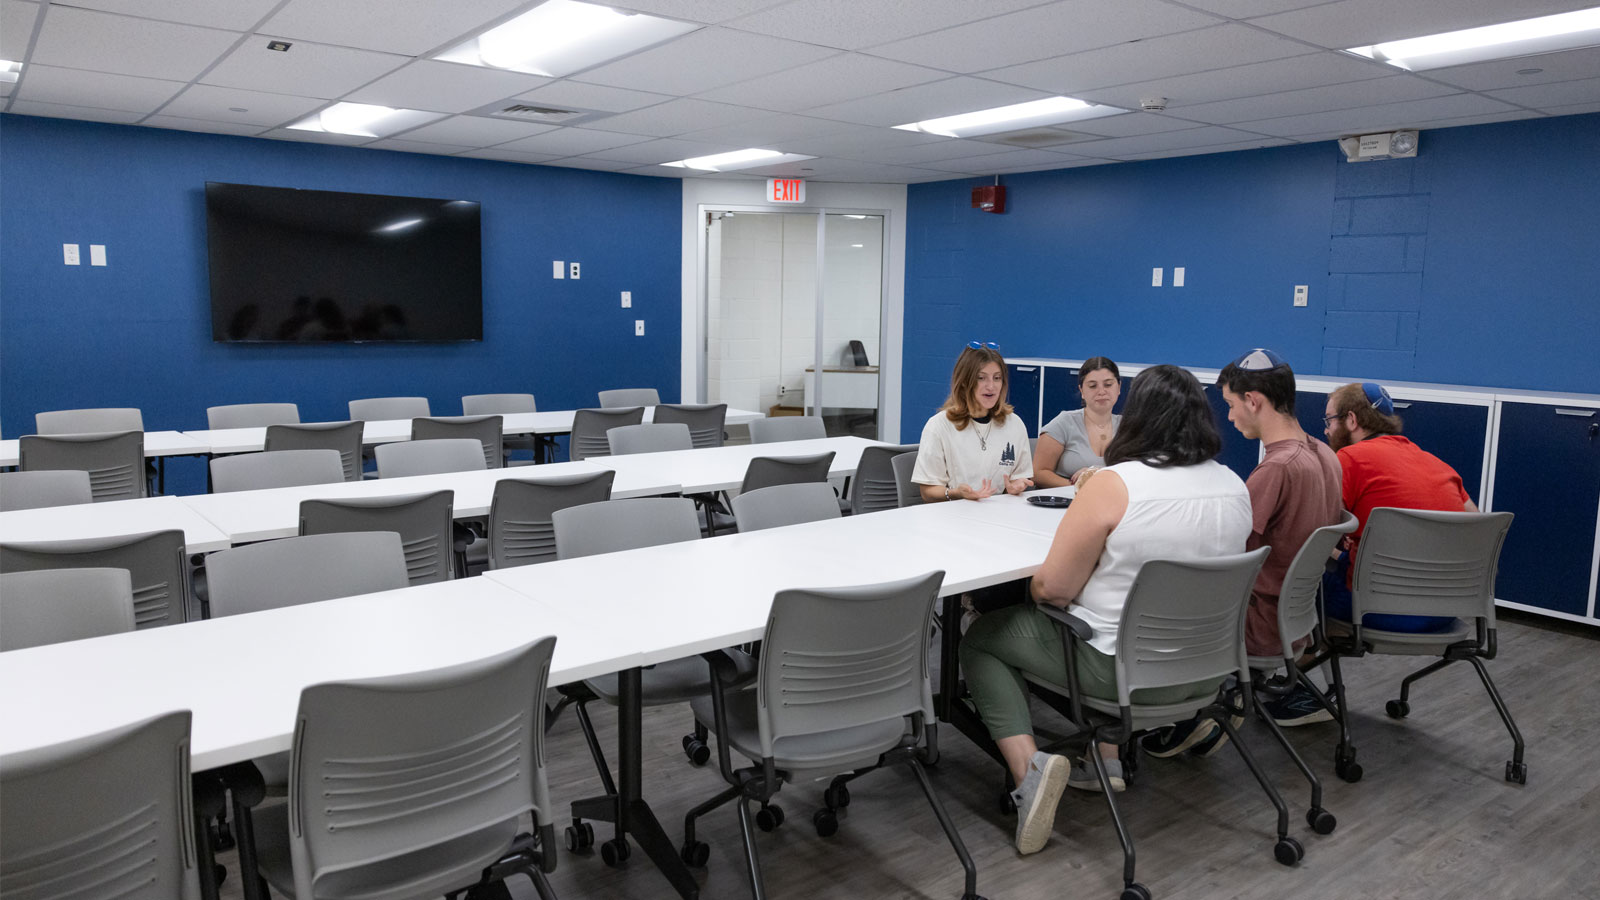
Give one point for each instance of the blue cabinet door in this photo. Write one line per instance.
(1025, 396)
(1547, 472)
(1060, 392)
(1454, 432)
(1308, 408)
(1238, 453)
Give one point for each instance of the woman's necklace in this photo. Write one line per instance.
(983, 436)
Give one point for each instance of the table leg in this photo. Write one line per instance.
(949, 658)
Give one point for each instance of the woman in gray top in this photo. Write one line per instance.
(1076, 440)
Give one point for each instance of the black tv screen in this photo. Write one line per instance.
(297, 266)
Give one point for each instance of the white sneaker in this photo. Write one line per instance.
(1036, 800)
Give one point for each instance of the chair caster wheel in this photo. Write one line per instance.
(769, 817)
(1135, 891)
(826, 822)
(1320, 820)
(836, 796)
(695, 854)
(221, 873)
(1516, 772)
(1288, 851)
(1345, 765)
(696, 750)
(615, 852)
(580, 836)
(1397, 709)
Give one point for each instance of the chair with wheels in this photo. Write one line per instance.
(344, 437)
(907, 492)
(89, 421)
(589, 427)
(50, 606)
(424, 523)
(842, 689)
(787, 428)
(649, 437)
(252, 415)
(507, 404)
(766, 471)
(34, 490)
(487, 430)
(623, 397)
(378, 409)
(157, 565)
(705, 420)
(785, 504)
(114, 460)
(874, 486)
(521, 531)
(275, 469)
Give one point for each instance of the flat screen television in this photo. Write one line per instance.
(299, 266)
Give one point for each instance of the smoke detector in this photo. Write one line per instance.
(1153, 104)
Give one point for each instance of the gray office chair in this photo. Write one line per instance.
(649, 438)
(292, 571)
(623, 397)
(908, 492)
(785, 504)
(114, 460)
(842, 689)
(406, 458)
(424, 522)
(344, 437)
(1419, 563)
(54, 605)
(874, 486)
(504, 404)
(787, 428)
(252, 415)
(275, 469)
(107, 815)
(377, 409)
(89, 421)
(413, 785)
(157, 564)
(589, 427)
(706, 421)
(33, 490)
(1182, 624)
(766, 471)
(520, 528)
(487, 430)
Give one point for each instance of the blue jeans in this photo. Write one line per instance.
(1336, 602)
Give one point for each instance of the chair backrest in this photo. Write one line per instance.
(874, 486)
(374, 409)
(114, 460)
(1184, 622)
(107, 815)
(629, 397)
(32, 490)
(55, 605)
(291, 571)
(425, 523)
(787, 428)
(157, 564)
(275, 469)
(497, 404)
(385, 769)
(89, 421)
(589, 427)
(839, 658)
(1302, 583)
(624, 525)
(1424, 563)
(908, 491)
(705, 421)
(785, 504)
(344, 437)
(650, 437)
(252, 415)
(520, 528)
(486, 430)
(766, 471)
(404, 458)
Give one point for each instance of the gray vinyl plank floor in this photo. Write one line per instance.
(1432, 818)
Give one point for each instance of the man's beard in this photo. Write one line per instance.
(1338, 437)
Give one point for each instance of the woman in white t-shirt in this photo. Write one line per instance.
(974, 446)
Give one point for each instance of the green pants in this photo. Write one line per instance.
(1003, 644)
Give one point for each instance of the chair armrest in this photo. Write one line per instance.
(1080, 629)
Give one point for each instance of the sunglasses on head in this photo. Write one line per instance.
(979, 345)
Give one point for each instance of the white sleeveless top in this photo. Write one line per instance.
(1183, 512)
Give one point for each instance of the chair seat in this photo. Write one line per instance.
(839, 750)
(428, 872)
(677, 680)
(1145, 715)
(1416, 643)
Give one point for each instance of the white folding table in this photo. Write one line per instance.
(112, 518)
(711, 469)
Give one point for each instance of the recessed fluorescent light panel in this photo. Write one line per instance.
(737, 159)
(1033, 114)
(559, 37)
(9, 71)
(363, 120)
(1546, 34)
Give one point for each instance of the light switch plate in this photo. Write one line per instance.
(561, 269)
(1177, 277)
(627, 299)
(1155, 277)
(1300, 292)
(69, 254)
(638, 327)
(97, 254)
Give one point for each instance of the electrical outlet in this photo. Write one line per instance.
(1177, 277)
(561, 269)
(574, 270)
(1155, 277)
(638, 328)
(1300, 291)
(97, 254)
(627, 299)
(69, 254)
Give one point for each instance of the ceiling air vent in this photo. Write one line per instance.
(549, 115)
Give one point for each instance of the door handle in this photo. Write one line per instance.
(1579, 413)
(1402, 404)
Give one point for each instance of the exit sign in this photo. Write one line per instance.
(786, 190)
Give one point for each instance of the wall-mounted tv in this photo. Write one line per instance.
(299, 266)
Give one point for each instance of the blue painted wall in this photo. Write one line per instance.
(137, 332)
(1475, 263)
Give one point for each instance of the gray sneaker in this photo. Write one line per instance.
(1083, 776)
(1036, 800)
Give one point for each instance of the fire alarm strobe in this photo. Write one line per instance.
(989, 198)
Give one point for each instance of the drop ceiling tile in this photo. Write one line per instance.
(406, 146)
(474, 131)
(316, 137)
(856, 172)
(1356, 23)
(1117, 148)
(7, 88)
(307, 69)
(657, 152)
(572, 142)
(990, 163)
(234, 15)
(1568, 65)
(102, 42)
(410, 30)
(1129, 125)
(594, 165)
(859, 140)
(1050, 167)
(84, 113)
(444, 87)
(598, 97)
(709, 11)
(1244, 9)
(1256, 144)
(1378, 91)
(1178, 54)
(1042, 32)
(667, 172)
(918, 154)
(1368, 120)
(1561, 93)
(853, 24)
(846, 77)
(16, 28)
(927, 101)
(773, 130)
(206, 125)
(1573, 110)
(679, 116)
(204, 101)
(495, 153)
(98, 90)
(1292, 73)
(705, 59)
(1515, 115)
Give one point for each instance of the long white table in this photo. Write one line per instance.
(113, 518)
(722, 468)
(157, 444)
